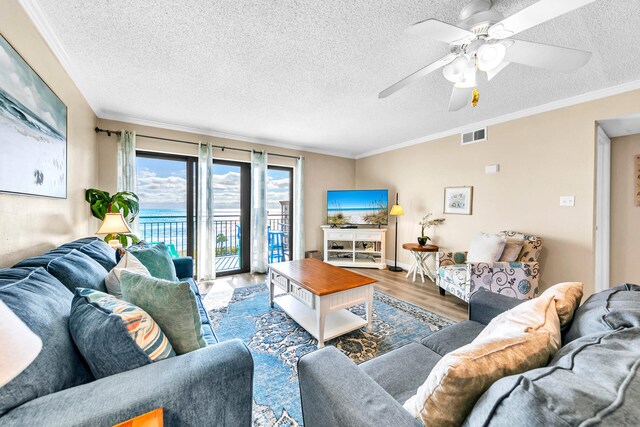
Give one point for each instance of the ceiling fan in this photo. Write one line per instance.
(482, 42)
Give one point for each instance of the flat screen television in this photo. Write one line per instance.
(358, 207)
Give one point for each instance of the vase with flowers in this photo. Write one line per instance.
(425, 223)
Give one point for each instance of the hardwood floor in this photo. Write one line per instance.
(424, 295)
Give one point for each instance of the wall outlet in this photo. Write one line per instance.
(567, 201)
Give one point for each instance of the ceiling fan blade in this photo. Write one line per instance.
(492, 73)
(417, 75)
(546, 56)
(460, 97)
(537, 13)
(439, 30)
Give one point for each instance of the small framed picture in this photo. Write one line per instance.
(458, 200)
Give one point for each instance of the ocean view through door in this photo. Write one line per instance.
(167, 192)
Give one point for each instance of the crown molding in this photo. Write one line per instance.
(218, 134)
(41, 22)
(563, 103)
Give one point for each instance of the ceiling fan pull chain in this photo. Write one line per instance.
(475, 97)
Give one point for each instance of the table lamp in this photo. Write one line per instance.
(396, 210)
(18, 340)
(114, 224)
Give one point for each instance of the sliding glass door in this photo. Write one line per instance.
(280, 212)
(232, 210)
(166, 192)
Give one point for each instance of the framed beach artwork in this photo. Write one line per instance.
(33, 130)
(458, 200)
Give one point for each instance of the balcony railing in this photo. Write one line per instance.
(173, 230)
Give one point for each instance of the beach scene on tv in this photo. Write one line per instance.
(357, 207)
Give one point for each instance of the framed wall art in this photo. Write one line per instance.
(458, 200)
(33, 130)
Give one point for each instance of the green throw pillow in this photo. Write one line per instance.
(171, 304)
(157, 260)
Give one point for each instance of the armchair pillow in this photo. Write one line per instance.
(127, 262)
(486, 248)
(512, 248)
(113, 335)
(171, 304)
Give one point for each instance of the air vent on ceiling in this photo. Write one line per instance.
(474, 136)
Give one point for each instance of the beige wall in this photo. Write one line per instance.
(541, 158)
(322, 172)
(625, 215)
(30, 225)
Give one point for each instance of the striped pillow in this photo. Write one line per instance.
(114, 335)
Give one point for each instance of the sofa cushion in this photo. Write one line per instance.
(486, 248)
(172, 305)
(127, 262)
(99, 251)
(77, 270)
(157, 260)
(452, 337)
(113, 335)
(43, 304)
(591, 381)
(401, 371)
(607, 310)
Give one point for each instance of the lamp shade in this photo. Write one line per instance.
(114, 223)
(17, 340)
(396, 210)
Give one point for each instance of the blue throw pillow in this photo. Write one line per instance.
(77, 270)
(157, 260)
(43, 304)
(113, 335)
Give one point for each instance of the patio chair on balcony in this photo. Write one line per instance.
(276, 249)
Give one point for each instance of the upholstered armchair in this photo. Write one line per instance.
(518, 279)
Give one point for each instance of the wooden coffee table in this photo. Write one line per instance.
(317, 295)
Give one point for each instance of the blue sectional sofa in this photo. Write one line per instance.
(209, 386)
(592, 380)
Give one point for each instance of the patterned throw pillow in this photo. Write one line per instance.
(157, 260)
(113, 335)
(172, 304)
(127, 262)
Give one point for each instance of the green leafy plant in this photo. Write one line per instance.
(125, 202)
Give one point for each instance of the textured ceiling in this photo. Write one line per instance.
(307, 72)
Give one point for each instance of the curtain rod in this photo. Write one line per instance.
(222, 147)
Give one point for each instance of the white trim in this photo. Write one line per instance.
(603, 210)
(563, 103)
(218, 134)
(39, 18)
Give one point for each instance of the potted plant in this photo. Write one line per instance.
(425, 224)
(125, 202)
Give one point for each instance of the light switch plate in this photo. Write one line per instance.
(567, 201)
(489, 169)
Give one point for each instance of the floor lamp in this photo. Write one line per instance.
(396, 210)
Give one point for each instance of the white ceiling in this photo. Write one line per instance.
(306, 73)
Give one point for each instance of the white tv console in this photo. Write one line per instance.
(361, 247)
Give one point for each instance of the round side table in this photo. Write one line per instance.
(420, 256)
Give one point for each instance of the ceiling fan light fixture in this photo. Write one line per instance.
(469, 77)
(490, 56)
(455, 71)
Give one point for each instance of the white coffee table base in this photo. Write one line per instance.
(324, 317)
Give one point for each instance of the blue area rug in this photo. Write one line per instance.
(277, 342)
